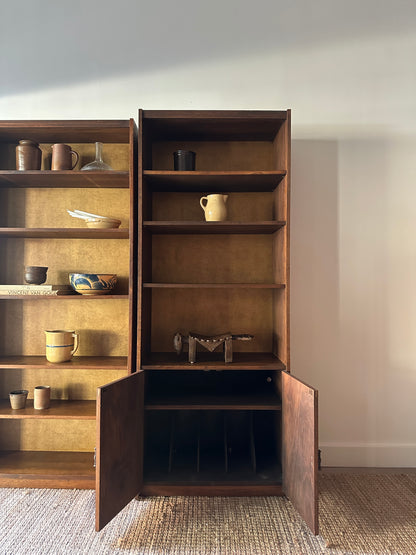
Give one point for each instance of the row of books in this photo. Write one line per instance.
(17, 290)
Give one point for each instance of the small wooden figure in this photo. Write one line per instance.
(209, 342)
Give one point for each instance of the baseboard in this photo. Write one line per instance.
(383, 455)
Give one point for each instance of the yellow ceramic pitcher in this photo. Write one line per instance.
(215, 207)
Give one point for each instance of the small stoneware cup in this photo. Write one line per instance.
(61, 345)
(18, 398)
(41, 397)
(63, 157)
(35, 274)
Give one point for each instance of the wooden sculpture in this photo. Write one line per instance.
(209, 342)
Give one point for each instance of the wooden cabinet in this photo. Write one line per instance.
(55, 447)
(245, 427)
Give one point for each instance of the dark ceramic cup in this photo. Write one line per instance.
(35, 274)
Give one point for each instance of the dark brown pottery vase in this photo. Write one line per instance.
(28, 155)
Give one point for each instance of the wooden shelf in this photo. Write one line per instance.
(211, 125)
(59, 469)
(76, 363)
(214, 285)
(212, 361)
(74, 296)
(64, 179)
(62, 233)
(208, 402)
(65, 131)
(213, 181)
(208, 228)
(69, 410)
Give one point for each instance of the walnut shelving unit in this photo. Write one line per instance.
(55, 447)
(211, 428)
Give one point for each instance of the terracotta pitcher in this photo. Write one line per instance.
(215, 207)
(63, 157)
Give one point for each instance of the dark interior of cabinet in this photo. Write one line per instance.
(212, 446)
(211, 387)
(212, 426)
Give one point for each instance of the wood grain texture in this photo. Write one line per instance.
(65, 131)
(300, 448)
(46, 469)
(75, 410)
(63, 233)
(209, 402)
(64, 179)
(242, 489)
(214, 181)
(76, 363)
(210, 361)
(119, 446)
(208, 228)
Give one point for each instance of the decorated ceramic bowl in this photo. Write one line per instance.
(93, 284)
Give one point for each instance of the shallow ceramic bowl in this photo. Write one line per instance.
(93, 284)
(105, 223)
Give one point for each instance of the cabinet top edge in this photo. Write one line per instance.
(215, 114)
(106, 131)
(86, 123)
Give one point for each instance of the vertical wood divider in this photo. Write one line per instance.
(252, 443)
(171, 441)
(225, 441)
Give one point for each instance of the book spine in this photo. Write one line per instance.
(25, 293)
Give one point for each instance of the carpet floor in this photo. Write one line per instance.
(367, 514)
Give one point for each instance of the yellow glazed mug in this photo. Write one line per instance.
(61, 344)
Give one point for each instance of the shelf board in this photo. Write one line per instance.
(62, 233)
(65, 179)
(84, 363)
(194, 125)
(74, 296)
(65, 131)
(58, 469)
(207, 402)
(213, 181)
(214, 285)
(73, 410)
(208, 228)
(212, 361)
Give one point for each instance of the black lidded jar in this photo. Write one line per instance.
(184, 160)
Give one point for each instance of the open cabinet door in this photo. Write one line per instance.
(300, 448)
(119, 460)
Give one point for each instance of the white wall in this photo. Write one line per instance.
(347, 70)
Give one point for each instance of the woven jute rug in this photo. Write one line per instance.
(359, 514)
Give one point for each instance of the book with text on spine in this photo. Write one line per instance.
(10, 290)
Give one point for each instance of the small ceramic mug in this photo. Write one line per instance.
(63, 157)
(61, 345)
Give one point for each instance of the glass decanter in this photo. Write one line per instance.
(98, 163)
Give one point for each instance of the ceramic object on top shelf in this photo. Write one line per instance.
(93, 284)
(98, 164)
(215, 207)
(35, 275)
(63, 157)
(18, 398)
(95, 221)
(28, 155)
(184, 160)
